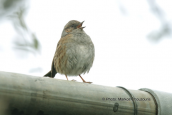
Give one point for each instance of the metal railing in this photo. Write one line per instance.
(31, 95)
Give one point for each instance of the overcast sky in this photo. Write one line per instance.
(123, 54)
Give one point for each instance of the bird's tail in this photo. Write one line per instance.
(48, 74)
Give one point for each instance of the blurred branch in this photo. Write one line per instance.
(165, 29)
(9, 6)
(122, 8)
(155, 35)
(27, 41)
(15, 10)
(9, 3)
(156, 9)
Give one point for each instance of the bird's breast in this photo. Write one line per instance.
(78, 54)
(81, 51)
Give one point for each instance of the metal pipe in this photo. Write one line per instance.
(32, 95)
(163, 101)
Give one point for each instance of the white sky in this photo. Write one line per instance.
(123, 54)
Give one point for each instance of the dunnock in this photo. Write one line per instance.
(74, 54)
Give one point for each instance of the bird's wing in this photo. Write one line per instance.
(53, 70)
(60, 57)
(59, 60)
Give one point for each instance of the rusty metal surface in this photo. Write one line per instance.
(32, 95)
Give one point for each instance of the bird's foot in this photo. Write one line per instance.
(87, 82)
(73, 80)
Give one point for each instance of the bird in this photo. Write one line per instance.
(74, 53)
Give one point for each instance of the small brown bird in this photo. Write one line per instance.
(75, 52)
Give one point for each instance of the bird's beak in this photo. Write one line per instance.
(80, 25)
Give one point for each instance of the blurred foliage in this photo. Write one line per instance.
(165, 29)
(15, 10)
(27, 40)
(9, 3)
(121, 8)
(8, 6)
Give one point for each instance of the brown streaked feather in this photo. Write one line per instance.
(57, 62)
(53, 70)
(60, 58)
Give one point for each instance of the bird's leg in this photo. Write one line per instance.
(84, 80)
(66, 77)
(73, 80)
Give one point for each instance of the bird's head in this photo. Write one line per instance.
(72, 25)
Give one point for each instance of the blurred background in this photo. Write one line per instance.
(133, 39)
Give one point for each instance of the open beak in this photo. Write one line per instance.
(80, 25)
